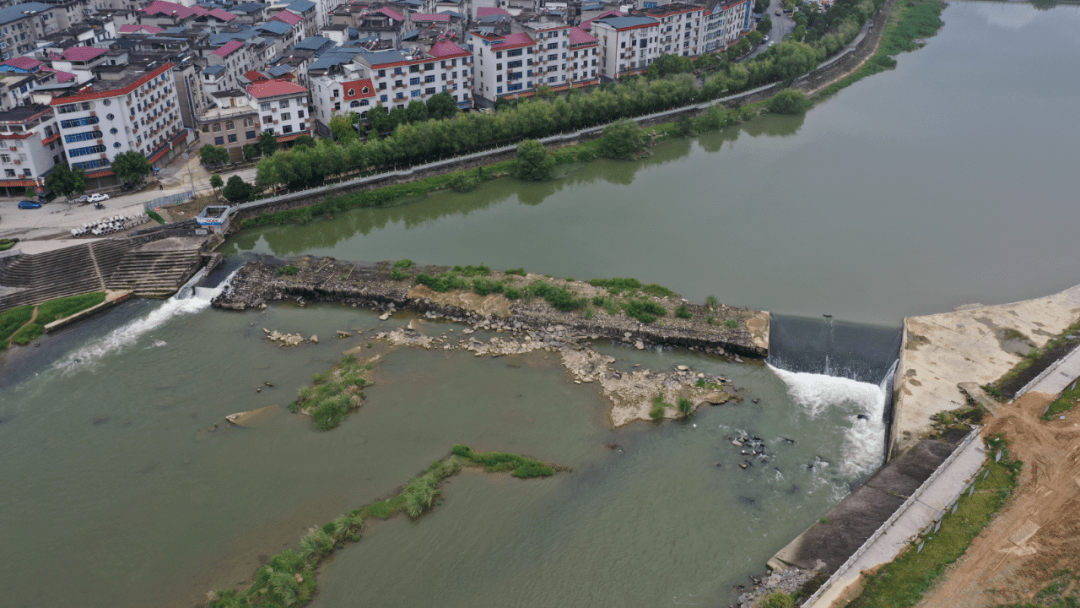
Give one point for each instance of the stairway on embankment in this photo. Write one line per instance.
(37, 278)
(157, 269)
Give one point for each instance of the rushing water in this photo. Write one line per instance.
(944, 181)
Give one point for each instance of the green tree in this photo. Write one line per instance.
(760, 6)
(755, 37)
(213, 155)
(251, 151)
(789, 101)
(65, 181)
(667, 64)
(379, 120)
(237, 190)
(131, 166)
(267, 143)
(31, 193)
(304, 141)
(442, 105)
(417, 111)
(398, 116)
(216, 182)
(341, 128)
(765, 25)
(534, 162)
(623, 139)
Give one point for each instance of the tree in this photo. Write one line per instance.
(668, 64)
(442, 105)
(131, 166)
(623, 139)
(789, 101)
(379, 120)
(64, 181)
(760, 6)
(250, 151)
(765, 25)
(213, 155)
(304, 141)
(216, 182)
(417, 111)
(237, 190)
(31, 193)
(267, 143)
(755, 37)
(341, 128)
(534, 162)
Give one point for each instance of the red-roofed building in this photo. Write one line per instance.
(353, 90)
(140, 112)
(225, 16)
(82, 54)
(225, 66)
(488, 11)
(26, 64)
(282, 107)
(444, 49)
(171, 12)
(287, 17)
(28, 148)
(429, 18)
(389, 12)
(228, 48)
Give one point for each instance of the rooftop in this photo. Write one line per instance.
(20, 11)
(512, 41)
(83, 53)
(149, 29)
(273, 88)
(23, 113)
(625, 23)
(287, 17)
(487, 11)
(228, 48)
(445, 48)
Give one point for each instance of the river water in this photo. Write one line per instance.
(947, 180)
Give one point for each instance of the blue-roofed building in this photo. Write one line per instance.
(279, 28)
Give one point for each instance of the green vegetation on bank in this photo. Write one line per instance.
(1063, 403)
(11, 321)
(54, 310)
(288, 579)
(904, 581)
(6, 244)
(1062, 591)
(910, 20)
(334, 393)
(1034, 362)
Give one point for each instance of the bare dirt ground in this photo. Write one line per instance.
(1037, 533)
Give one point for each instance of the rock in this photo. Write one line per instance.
(258, 390)
(736, 443)
(627, 335)
(384, 316)
(682, 368)
(268, 384)
(468, 330)
(266, 331)
(314, 339)
(743, 465)
(343, 334)
(245, 418)
(639, 345)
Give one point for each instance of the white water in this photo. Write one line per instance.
(127, 335)
(864, 439)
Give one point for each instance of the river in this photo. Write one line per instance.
(944, 181)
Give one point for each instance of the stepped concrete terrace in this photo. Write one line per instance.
(158, 268)
(36, 278)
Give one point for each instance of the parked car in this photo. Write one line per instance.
(82, 200)
(29, 205)
(98, 198)
(764, 39)
(779, 12)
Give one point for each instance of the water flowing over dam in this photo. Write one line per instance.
(847, 366)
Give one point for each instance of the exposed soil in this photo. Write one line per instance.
(1037, 534)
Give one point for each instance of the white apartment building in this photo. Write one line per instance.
(627, 44)
(138, 110)
(680, 29)
(725, 23)
(29, 148)
(283, 108)
(413, 75)
(515, 65)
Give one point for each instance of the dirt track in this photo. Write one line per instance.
(1007, 563)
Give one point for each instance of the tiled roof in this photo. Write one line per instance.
(228, 48)
(287, 17)
(430, 17)
(19, 11)
(134, 28)
(301, 6)
(445, 48)
(225, 16)
(272, 88)
(357, 89)
(23, 63)
(587, 25)
(580, 36)
(622, 23)
(487, 11)
(313, 43)
(222, 38)
(513, 41)
(82, 53)
(214, 70)
(248, 7)
(254, 76)
(276, 27)
(161, 7)
(389, 12)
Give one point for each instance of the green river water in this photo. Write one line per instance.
(947, 180)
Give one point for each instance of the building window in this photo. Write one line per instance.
(268, 119)
(265, 107)
(414, 81)
(286, 116)
(300, 114)
(249, 122)
(250, 135)
(429, 91)
(232, 138)
(284, 103)
(219, 140)
(229, 126)
(217, 127)
(9, 172)
(286, 129)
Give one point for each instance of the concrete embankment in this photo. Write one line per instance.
(720, 330)
(970, 347)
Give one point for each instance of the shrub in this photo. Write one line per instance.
(657, 411)
(657, 290)
(464, 182)
(534, 162)
(645, 311)
(462, 450)
(518, 271)
(533, 469)
(156, 217)
(683, 312)
(485, 287)
(287, 270)
(512, 293)
(403, 264)
(732, 323)
(623, 140)
(789, 101)
(559, 297)
(778, 599)
(685, 407)
(397, 275)
(712, 302)
(616, 284)
(473, 271)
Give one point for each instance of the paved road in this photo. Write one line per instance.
(782, 25)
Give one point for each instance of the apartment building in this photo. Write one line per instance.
(726, 22)
(29, 148)
(21, 25)
(680, 28)
(127, 108)
(283, 108)
(400, 77)
(627, 44)
(232, 122)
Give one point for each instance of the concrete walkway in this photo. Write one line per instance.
(924, 508)
(1058, 376)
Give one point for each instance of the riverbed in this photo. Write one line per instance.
(942, 182)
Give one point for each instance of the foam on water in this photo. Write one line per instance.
(862, 404)
(183, 303)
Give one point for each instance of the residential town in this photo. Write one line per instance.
(82, 81)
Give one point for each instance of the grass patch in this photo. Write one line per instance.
(154, 215)
(288, 579)
(903, 582)
(683, 312)
(1063, 403)
(54, 310)
(658, 408)
(494, 462)
(11, 321)
(1036, 360)
(560, 298)
(914, 20)
(287, 271)
(518, 271)
(334, 393)
(6, 244)
(645, 311)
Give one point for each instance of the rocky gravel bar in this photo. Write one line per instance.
(721, 329)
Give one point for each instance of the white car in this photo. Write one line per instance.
(98, 198)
